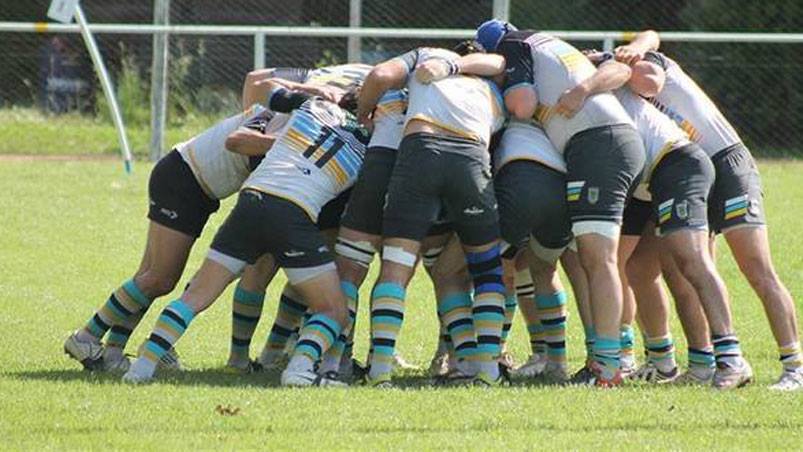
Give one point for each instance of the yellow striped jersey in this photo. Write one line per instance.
(317, 156)
(551, 66)
(389, 120)
(687, 104)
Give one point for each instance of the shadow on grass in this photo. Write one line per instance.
(219, 377)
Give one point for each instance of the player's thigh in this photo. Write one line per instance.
(413, 200)
(470, 200)
(364, 210)
(604, 166)
(737, 197)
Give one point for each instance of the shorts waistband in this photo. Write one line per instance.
(723, 153)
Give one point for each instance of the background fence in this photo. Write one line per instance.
(51, 103)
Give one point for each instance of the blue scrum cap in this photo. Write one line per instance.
(491, 32)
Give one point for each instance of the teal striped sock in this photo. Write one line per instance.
(246, 309)
(552, 314)
(510, 313)
(318, 334)
(607, 352)
(702, 358)
(387, 315)
(591, 336)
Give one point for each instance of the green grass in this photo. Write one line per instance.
(72, 231)
(30, 132)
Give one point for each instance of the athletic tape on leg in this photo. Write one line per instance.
(398, 255)
(360, 251)
(232, 264)
(604, 228)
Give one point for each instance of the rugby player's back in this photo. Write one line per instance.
(467, 106)
(317, 156)
(552, 66)
(687, 104)
(219, 171)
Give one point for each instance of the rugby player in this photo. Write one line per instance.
(185, 188)
(604, 157)
(736, 208)
(526, 163)
(679, 177)
(443, 159)
(316, 157)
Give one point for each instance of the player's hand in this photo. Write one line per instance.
(628, 54)
(432, 70)
(571, 101)
(329, 93)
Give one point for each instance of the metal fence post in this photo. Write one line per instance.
(355, 21)
(607, 44)
(501, 10)
(259, 51)
(159, 81)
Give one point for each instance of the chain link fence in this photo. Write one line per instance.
(50, 101)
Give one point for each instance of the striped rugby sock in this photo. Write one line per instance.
(590, 338)
(387, 315)
(537, 338)
(510, 313)
(727, 351)
(701, 358)
(661, 352)
(123, 304)
(607, 352)
(791, 357)
(627, 337)
(120, 334)
(318, 334)
(170, 326)
(488, 310)
(331, 360)
(246, 309)
(289, 317)
(552, 315)
(456, 314)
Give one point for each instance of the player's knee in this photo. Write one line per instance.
(155, 285)
(597, 259)
(637, 269)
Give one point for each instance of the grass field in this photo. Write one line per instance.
(72, 231)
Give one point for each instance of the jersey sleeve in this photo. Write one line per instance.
(409, 59)
(519, 64)
(657, 58)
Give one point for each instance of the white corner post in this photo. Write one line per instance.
(159, 80)
(355, 21)
(105, 83)
(501, 10)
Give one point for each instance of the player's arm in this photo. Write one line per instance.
(391, 74)
(481, 64)
(519, 86)
(648, 75)
(258, 90)
(610, 75)
(634, 52)
(249, 142)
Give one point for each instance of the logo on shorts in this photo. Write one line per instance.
(682, 210)
(172, 214)
(665, 210)
(736, 207)
(473, 210)
(593, 195)
(293, 253)
(754, 207)
(573, 190)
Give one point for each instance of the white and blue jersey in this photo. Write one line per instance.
(389, 120)
(317, 155)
